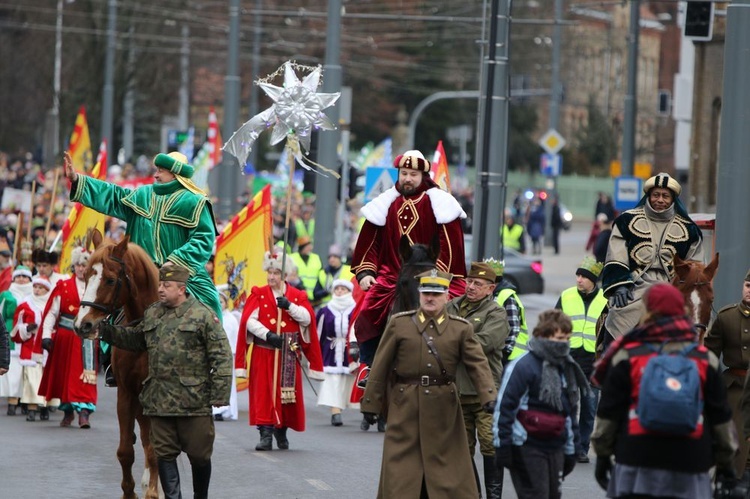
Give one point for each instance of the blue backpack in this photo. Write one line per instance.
(669, 399)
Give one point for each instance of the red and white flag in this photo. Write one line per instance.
(439, 171)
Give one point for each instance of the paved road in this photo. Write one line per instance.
(43, 460)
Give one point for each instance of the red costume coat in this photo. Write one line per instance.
(62, 374)
(420, 216)
(6, 277)
(31, 315)
(260, 371)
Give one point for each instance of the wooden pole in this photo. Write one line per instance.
(51, 205)
(31, 211)
(17, 237)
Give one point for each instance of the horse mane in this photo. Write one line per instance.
(415, 259)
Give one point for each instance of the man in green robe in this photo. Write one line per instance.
(171, 219)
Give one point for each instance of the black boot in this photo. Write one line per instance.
(44, 414)
(476, 477)
(381, 424)
(266, 438)
(169, 476)
(201, 478)
(31, 416)
(493, 478)
(281, 441)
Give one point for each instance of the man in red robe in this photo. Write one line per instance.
(415, 207)
(69, 374)
(278, 322)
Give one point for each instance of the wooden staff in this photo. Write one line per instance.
(31, 211)
(277, 353)
(17, 237)
(51, 205)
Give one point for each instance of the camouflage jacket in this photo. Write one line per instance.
(189, 358)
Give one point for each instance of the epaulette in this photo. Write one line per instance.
(403, 314)
(727, 307)
(457, 318)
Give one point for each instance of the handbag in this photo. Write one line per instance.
(542, 425)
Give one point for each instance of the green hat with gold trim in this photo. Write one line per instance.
(176, 163)
(434, 281)
(590, 268)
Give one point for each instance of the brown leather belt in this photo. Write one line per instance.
(424, 381)
(737, 372)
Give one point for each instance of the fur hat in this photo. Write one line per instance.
(79, 256)
(42, 281)
(40, 256)
(482, 270)
(343, 282)
(664, 299)
(434, 281)
(273, 261)
(664, 181)
(22, 270)
(413, 160)
(590, 268)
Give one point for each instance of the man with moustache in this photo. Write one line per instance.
(417, 208)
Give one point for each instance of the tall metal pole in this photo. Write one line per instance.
(345, 103)
(229, 175)
(554, 112)
(255, 70)
(128, 103)
(732, 240)
(325, 187)
(631, 98)
(184, 110)
(56, 85)
(109, 77)
(492, 151)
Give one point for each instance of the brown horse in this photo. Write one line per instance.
(695, 280)
(122, 279)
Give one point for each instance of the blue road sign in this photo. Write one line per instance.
(550, 164)
(379, 180)
(628, 191)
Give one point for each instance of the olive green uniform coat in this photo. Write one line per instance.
(425, 437)
(189, 358)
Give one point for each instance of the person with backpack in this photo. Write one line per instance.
(663, 413)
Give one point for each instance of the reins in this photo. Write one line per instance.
(111, 309)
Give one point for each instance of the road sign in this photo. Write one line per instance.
(379, 180)
(550, 164)
(628, 191)
(552, 141)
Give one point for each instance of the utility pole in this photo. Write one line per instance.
(109, 77)
(345, 121)
(254, 71)
(128, 103)
(54, 134)
(492, 143)
(554, 113)
(325, 187)
(229, 175)
(631, 98)
(732, 236)
(184, 110)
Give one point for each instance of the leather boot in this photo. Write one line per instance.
(83, 419)
(44, 414)
(201, 478)
(169, 476)
(493, 478)
(281, 441)
(68, 418)
(31, 416)
(266, 438)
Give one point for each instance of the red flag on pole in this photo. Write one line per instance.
(439, 170)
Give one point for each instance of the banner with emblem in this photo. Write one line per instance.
(80, 144)
(81, 219)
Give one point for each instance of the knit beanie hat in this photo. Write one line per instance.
(664, 299)
(590, 268)
(22, 270)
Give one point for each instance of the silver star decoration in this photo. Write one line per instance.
(297, 111)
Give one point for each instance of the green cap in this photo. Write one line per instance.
(176, 163)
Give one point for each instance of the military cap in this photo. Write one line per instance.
(176, 163)
(747, 276)
(482, 270)
(498, 266)
(434, 281)
(174, 273)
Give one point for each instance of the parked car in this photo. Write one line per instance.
(524, 273)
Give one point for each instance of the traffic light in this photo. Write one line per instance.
(356, 181)
(699, 20)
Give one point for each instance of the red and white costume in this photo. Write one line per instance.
(29, 311)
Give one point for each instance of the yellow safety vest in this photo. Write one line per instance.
(523, 336)
(302, 231)
(584, 321)
(308, 272)
(512, 236)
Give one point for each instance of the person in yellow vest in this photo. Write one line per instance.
(513, 235)
(336, 269)
(304, 225)
(309, 266)
(506, 297)
(584, 303)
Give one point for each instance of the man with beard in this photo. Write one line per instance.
(415, 207)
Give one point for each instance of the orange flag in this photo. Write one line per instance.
(439, 170)
(80, 143)
(81, 219)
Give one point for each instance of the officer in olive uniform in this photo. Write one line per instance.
(416, 365)
(189, 370)
(490, 323)
(729, 337)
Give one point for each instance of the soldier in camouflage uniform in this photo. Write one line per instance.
(190, 370)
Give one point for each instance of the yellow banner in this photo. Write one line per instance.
(80, 144)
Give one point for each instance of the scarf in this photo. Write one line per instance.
(39, 302)
(341, 307)
(555, 356)
(677, 328)
(20, 291)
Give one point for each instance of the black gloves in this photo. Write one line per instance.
(370, 417)
(504, 457)
(569, 464)
(354, 351)
(276, 341)
(282, 302)
(489, 407)
(621, 297)
(48, 344)
(603, 471)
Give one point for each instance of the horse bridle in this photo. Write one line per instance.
(122, 276)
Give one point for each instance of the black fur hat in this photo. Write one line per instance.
(40, 256)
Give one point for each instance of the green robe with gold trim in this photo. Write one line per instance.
(168, 221)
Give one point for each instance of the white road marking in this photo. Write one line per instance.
(318, 484)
